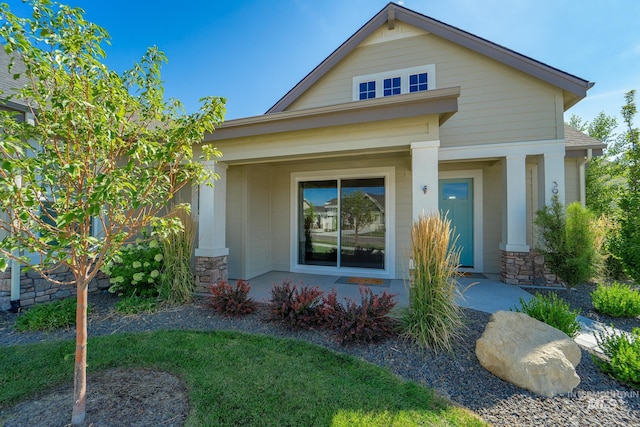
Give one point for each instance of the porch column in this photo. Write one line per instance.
(424, 172)
(551, 178)
(211, 253)
(514, 214)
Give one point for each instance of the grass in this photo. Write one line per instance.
(241, 379)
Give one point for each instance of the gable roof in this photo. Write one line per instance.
(575, 88)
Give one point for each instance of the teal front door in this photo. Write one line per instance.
(456, 198)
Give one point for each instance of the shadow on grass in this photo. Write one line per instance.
(241, 379)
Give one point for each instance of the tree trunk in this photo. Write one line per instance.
(80, 367)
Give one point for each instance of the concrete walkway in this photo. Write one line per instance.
(483, 294)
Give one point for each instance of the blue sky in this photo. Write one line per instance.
(253, 51)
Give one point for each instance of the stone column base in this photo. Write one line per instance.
(209, 271)
(526, 268)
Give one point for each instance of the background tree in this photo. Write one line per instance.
(628, 243)
(612, 184)
(104, 147)
(358, 212)
(603, 175)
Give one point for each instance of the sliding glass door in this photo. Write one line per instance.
(341, 223)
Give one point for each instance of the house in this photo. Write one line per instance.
(422, 117)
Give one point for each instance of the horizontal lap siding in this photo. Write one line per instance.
(497, 103)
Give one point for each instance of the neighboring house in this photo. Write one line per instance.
(424, 116)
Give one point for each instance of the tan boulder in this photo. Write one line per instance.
(529, 353)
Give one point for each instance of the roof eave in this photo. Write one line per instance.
(443, 102)
(393, 12)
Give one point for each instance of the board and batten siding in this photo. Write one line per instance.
(497, 103)
(571, 180)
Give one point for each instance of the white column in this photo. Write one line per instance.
(514, 214)
(212, 219)
(424, 171)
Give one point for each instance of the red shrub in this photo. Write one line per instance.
(232, 301)
(295, 307)
(369, 321)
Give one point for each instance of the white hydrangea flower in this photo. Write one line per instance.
(158, 257)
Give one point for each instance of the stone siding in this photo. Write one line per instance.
(209, 271)
(526, 268)
(35, 289)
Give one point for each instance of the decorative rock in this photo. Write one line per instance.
(529, 354)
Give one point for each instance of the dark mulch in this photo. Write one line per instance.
(598, 400)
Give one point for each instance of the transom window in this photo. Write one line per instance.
(418, 82)
(395, 82)
(392, 86)
(367, 90)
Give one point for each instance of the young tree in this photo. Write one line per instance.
(103, 147)
(628, 244)
(568, 241)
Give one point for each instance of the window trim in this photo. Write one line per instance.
(388, 173)
(403, 73)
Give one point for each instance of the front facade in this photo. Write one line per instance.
(408, 116)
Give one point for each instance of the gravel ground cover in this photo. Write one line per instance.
(598, 400)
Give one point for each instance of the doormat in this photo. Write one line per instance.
(368, 281)
(473, 275)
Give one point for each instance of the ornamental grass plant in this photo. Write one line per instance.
(177, 283)
(433, 319)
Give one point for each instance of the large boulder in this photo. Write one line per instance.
(529, 353)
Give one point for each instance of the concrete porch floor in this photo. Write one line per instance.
(482, 294)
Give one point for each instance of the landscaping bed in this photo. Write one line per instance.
(598, 400)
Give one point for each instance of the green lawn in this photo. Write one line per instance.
(242, 379)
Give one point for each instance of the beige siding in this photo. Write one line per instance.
(572, 180)
(383, 135)
(236, 217)
(265, 213)
(492, 205)
(497, 103)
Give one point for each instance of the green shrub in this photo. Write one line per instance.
(46, 317)
(232, 300)
(617, 300)
(553, 311)
(569, 242)
(135, 304)
(176, 284)
(433, 318)
(136, 269)
(622, 353)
